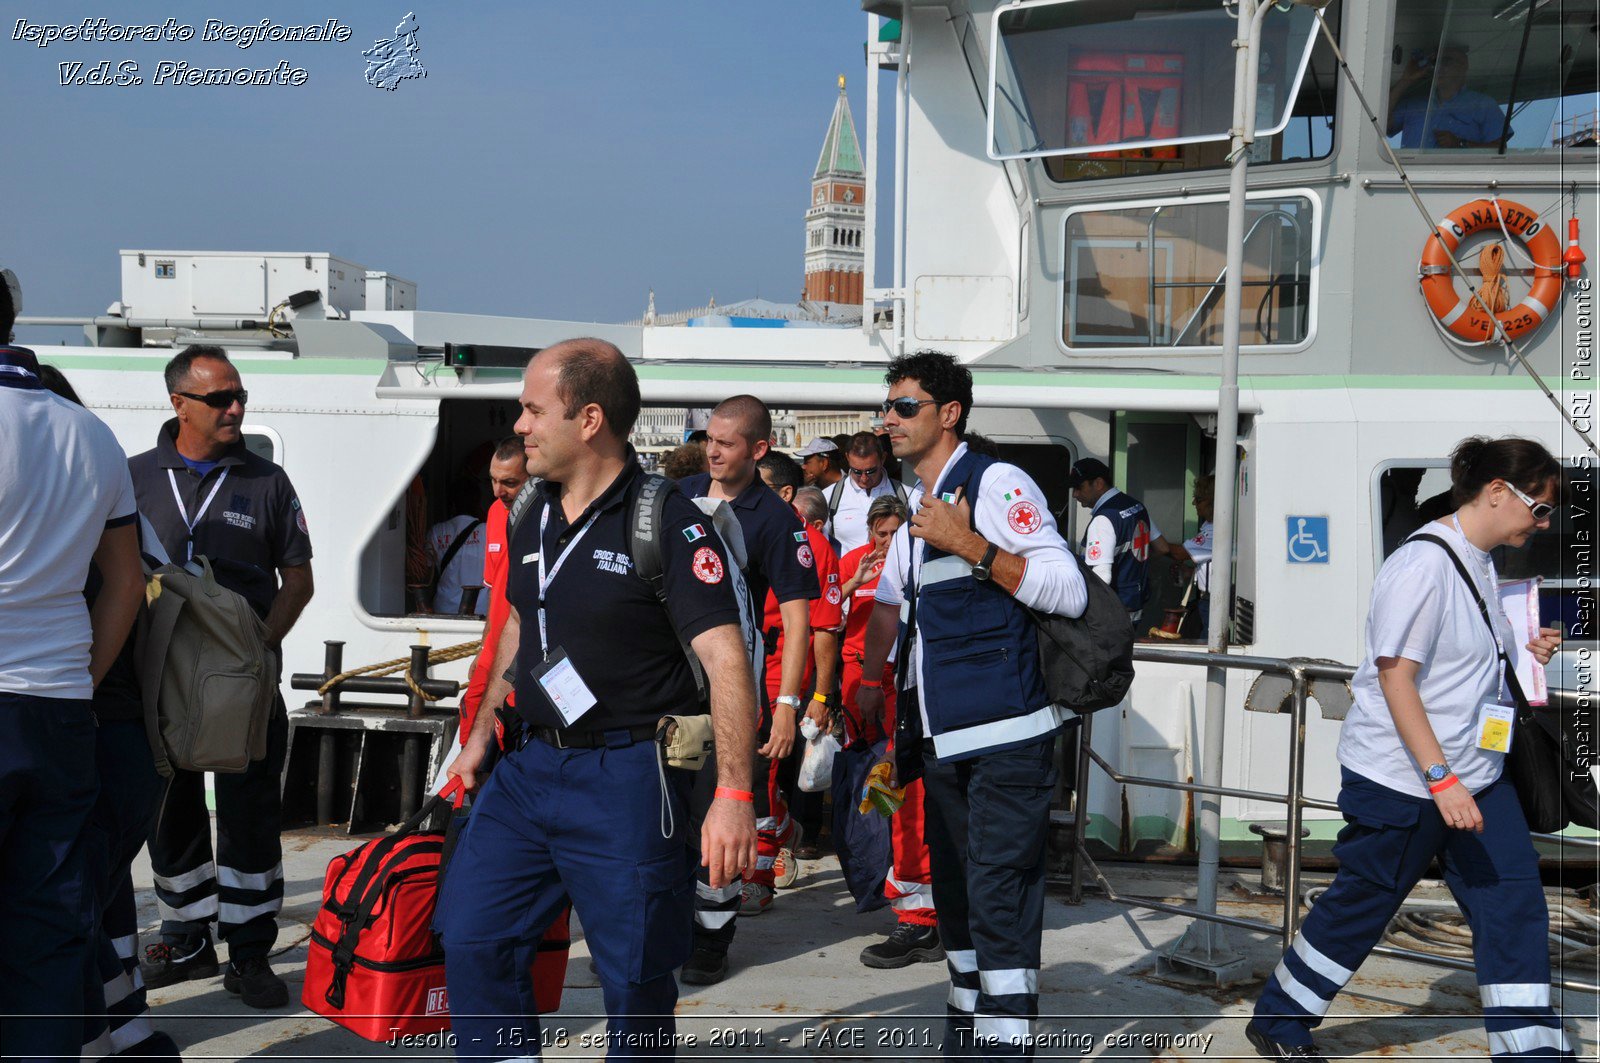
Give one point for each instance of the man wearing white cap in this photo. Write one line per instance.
(819, 461)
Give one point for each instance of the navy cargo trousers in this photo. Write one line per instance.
(47, 791)
(597, 826)
(1386, 845)
(987, 821)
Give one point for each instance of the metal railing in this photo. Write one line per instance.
(1301, 673)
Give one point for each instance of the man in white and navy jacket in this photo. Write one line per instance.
(974, 719)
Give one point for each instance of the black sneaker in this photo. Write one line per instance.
(167, 964)
(252, 981)
(706, 966)
(1270, 1049)
(910, 943)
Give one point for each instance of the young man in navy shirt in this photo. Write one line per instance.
(738, 436)
(585, 809)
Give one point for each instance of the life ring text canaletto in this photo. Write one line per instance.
(1465, 317)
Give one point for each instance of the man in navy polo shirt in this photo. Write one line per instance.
(585, 809)
(738, 436)
(67, 499)
(206, 495)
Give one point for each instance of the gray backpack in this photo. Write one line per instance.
(207, 675)
(646, 514)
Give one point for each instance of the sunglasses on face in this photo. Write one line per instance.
(219, 400)
(907, 407)
(866, 474)
(1540, 510)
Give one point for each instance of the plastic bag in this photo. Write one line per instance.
(816, 765)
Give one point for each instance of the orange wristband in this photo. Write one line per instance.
(872, 684)
(731, 794)
(1444, 784)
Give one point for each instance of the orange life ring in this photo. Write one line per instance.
(1466, 318)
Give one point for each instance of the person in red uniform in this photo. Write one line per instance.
(799, 814)
(909, 886)
(508, 471)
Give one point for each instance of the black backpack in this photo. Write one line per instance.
(1087, 661)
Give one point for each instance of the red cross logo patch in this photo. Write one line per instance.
(707, 566)
(1141, 541)
(1024, 518)
(804, 556)
(833, 596)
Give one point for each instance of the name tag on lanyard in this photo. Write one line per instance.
(556, 675)
(183, 511)
(1494, 727)
(563, 686)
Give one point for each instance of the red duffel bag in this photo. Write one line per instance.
(376, 967)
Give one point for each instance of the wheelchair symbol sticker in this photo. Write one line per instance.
(1308, 540)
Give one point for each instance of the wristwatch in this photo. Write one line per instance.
(980, 571)
(1436, 772)
(789, 700)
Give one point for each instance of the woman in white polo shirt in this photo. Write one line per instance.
(1421, 776)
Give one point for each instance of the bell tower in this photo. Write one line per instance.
(835, 221)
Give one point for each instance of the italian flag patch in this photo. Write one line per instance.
(694, 533)
(1013, 495)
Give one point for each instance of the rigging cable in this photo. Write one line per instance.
(1473, 293)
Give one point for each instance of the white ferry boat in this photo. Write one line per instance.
(1059, 224)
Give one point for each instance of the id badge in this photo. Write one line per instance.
(563, 687)
(1494, 727)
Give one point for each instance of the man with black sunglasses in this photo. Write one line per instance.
(865, 479)
(207, 495)
(979, 556)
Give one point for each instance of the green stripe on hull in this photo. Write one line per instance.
(370, 367)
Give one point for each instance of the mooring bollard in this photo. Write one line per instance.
(1274, 853)
(332, 665)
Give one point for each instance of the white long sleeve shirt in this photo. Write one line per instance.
(1011, 513)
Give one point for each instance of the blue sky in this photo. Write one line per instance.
(557, 161)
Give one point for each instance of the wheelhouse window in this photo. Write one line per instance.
(1492, 76)
(1112, 87)
(1151, 275)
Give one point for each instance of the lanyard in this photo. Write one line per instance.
(546, 580)
(183, 512)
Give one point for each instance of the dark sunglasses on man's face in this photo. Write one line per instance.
(219, 400)
(866, 474)
(907, 407)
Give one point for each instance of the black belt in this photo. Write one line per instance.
(616, 737)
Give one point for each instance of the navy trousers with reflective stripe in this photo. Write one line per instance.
(716, 912)
(1385, 847)
(584, 824)
(47, 790)
(242, 890)
(987, 821)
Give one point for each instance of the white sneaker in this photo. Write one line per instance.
(786, 868)
(754, 898)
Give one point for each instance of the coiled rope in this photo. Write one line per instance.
(444, 655)
(1438, 927)
(1492, 264)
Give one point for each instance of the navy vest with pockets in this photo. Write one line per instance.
(1129, 573)
(980, 648)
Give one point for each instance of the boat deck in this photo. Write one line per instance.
(798, 990)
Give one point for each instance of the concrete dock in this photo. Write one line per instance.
(798, 990)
